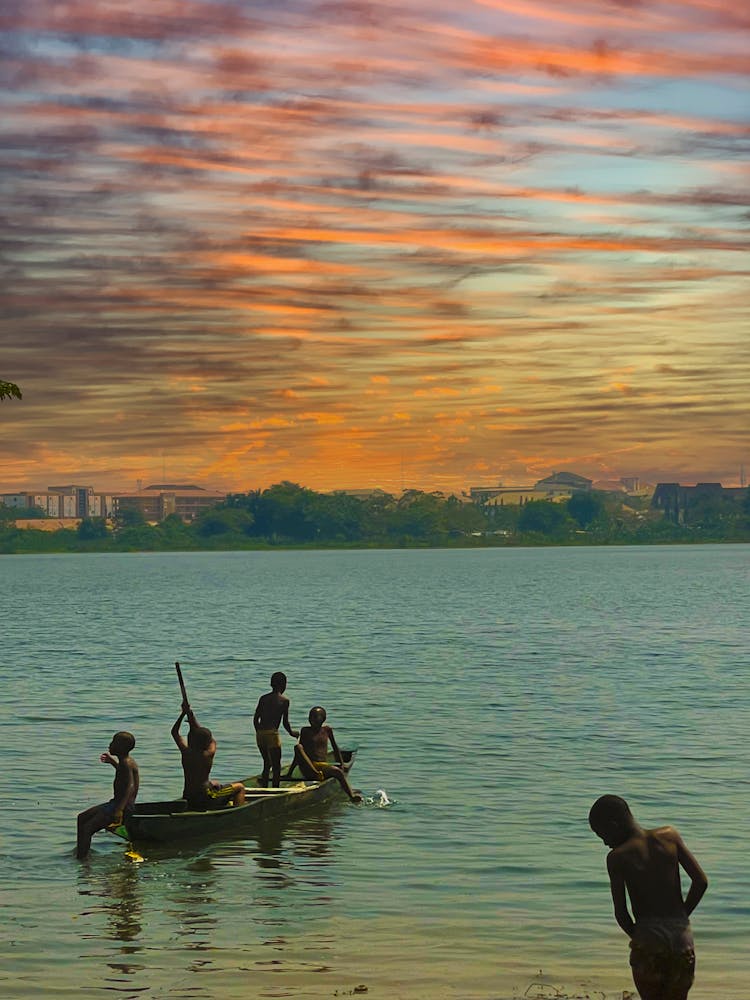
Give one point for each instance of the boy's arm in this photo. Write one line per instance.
(176, 734)
(698, 880)
(285, 720)
(617, 885)
(256, 717)
(300, 750)
(335, 746)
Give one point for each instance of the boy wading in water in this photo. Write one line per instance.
(311, 753)
(124, 791)
(646, 864)
(271, 711)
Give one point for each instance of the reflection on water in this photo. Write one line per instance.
(204, 899)
(118, 886)
(192, 906)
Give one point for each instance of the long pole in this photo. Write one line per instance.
(182, 684)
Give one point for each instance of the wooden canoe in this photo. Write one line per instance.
(171, 820)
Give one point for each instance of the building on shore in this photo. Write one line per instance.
(673, 499)
(70, 501)
(361, 494)
(154, 502)
(558, 486)
(159, 501)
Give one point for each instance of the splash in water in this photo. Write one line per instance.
(380, 799)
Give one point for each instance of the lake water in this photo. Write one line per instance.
(493, 694)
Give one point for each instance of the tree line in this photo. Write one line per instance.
(287, 514)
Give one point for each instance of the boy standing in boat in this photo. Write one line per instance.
(645, 864)
(311, 753)
(272, 710)
(124, 791)
(198, 754)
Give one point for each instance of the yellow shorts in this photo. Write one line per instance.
(267, 739)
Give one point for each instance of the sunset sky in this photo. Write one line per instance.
(409, 243)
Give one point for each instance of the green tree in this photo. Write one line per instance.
(336, 517)
(172, 533)
(502, 517)
(462, 518)
(140, 537)
(543, 517)
(283, 512)
(91, 528)
(9, 390)
(224, 522)
(418, 515)
(585, 508)
(376, 511)
(710, 510)
(129, 517)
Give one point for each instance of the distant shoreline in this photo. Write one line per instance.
(361, 546)
(289, 516)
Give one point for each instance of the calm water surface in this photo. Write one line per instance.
(493, 694)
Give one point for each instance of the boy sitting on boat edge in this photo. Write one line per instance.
(311, 752)
(124, 792)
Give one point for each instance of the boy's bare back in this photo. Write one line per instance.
(649, 865)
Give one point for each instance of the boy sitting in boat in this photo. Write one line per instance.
(124, 791)
(646, 864)
(197, 760)
(311, 753)
(271, 711)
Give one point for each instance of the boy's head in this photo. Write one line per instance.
(611, 820)
(278, 682)
(122, 743)
(317, 716)
(199, 738)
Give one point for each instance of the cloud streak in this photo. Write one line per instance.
(344, 243)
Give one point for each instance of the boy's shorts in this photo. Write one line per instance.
(267, 739)
(662, 956)
(214, 797)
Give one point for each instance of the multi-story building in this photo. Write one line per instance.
(63, 501)
(159, 501)
(154, 502)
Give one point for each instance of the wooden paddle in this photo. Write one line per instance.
(182, 685)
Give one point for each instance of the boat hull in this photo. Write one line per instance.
(179, 823)
(171, 821)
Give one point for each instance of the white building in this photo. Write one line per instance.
(63, 501)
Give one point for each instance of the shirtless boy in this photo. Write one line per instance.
(646, 864)
(272, 709)
(311, 753)
(124, 791)
(197, 759)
